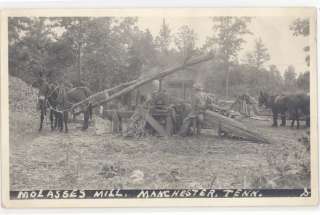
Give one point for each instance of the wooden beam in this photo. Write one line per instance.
(156, 126)
(143, 81)
(230, 125)
(115, 123)
(122, 114)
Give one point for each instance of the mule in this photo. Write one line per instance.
(294, 104)
(47, 96)
(66, 99)
(42, 100)
(56, 116)
(277, 104)
(299, 103)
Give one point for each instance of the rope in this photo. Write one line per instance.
(52, 92)
(54, 109)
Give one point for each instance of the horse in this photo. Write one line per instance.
(56, 116)
(48, 94)
(44, 89)
(277, 103)
(65, 100)
(299, 103)
(294, 104)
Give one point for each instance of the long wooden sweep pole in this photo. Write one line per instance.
(143, 81)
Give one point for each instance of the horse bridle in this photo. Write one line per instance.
(49, 95)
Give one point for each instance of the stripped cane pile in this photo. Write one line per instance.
(22, 106)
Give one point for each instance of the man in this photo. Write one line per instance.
(196, 116)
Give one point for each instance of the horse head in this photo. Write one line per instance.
(53, 94)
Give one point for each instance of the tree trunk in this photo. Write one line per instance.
(227, 81)
(79, 64)
(79, 53)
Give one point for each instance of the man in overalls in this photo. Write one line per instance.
(196, 116)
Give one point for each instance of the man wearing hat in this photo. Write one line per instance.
(196, 116)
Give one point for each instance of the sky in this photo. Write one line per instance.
(284, 48)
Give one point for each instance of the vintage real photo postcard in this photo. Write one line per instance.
(159, 107)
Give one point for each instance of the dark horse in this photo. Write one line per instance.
(65, 100)
(294, 104)
(59, 101)
(47, 98)
(44, 89)
(56, 115)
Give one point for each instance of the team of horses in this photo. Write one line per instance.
(293, 105)
(59, 100)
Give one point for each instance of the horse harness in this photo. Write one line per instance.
(56, 109)
(47, 102)
(277, 98)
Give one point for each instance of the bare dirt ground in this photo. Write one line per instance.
(84, 160)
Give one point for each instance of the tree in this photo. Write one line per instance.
(275, 73)
(185, 41)
(259, 56)
(303, 81)
(301, 27)
(290, 78)
(164, 39)
(270, 79)
(30, 46)
(227, 38)
(75, 33)
(17, 54)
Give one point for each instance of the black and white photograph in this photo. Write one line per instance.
(162, 104)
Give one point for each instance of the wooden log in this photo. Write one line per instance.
(143, 81)
(115, 123)
(156, 126)
(123, 85)
(218, 108)
(123, 114)
(233, 126)
(97, 97)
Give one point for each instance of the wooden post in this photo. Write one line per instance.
(184, 90)
(169, 125)
(156, 126)
(160, 85)
(115, 123)
(137, 97)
